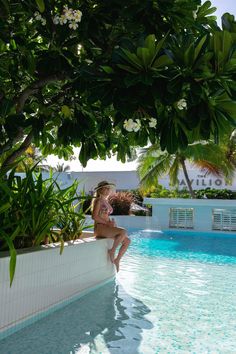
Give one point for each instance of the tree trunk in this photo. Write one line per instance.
(17, 153)
(182, 161)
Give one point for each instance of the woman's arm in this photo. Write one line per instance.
(95, 214)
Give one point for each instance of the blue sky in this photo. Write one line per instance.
(224, 6)
(112, 164)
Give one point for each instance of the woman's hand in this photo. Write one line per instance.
(112, 223)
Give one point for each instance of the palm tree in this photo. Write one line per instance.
(207, 156)
(61, 168)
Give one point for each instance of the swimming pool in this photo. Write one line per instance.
(175, 293)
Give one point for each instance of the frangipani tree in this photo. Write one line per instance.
(110, 76)
(209, 157)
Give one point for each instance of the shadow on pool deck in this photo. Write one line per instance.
(107, 320)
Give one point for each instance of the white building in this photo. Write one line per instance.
(127, 180)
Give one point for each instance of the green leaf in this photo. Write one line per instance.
(4, 207)
(128, 68)
(189, 55)
(144, 56)
(65, 110)
(161, 61)
(150, 44)
(229, 107)
(131, 58)
(199, 47)
(107, 69)
(13, 254)
(41, 5)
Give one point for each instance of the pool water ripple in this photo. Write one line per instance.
(172, 295)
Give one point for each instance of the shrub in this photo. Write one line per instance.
(121, 202)
(31, 207)
(214, 193)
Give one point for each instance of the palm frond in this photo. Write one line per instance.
(152, 164)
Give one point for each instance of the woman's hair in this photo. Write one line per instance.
(96, 195)
(98, 190)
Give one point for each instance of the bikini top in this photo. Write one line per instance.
(105, 207)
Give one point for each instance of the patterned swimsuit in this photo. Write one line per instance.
(106, 209)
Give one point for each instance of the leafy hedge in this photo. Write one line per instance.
(207, 193)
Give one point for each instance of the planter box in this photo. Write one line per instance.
(45, 280)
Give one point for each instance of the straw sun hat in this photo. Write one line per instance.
(103, 184)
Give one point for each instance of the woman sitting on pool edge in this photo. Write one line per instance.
(104, 226)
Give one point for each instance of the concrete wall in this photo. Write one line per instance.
(45, 280)
(202, 210)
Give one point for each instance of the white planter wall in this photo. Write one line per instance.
(44, 280)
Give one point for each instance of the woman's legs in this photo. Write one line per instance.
(120, 236)
(122, 250)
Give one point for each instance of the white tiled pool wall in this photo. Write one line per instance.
(45, 280)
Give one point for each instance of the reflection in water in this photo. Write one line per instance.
(107, 320)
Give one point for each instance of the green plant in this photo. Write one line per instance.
(214, 193)
(71, 219)
(31, 207)
(121, 202)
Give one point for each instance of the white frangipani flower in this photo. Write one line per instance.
(136, 125)
(70, 17)
(63, 20)
(68, 13)
(56, 20)
(132, 126)
(128, 125)
(152, 122)
(182, 104)
(73, 25)
(37, 16)
(77, 16)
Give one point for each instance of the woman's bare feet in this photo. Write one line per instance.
(117, 264)
(111, 255)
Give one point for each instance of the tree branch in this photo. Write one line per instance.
(8, 145)
(15, 154)
(34, 87)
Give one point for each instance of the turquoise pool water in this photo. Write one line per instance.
(175, 293)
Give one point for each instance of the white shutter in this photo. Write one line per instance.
(224, 219)
(181, 218)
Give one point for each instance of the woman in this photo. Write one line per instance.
(104, 226)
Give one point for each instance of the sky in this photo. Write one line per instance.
(112, 164)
